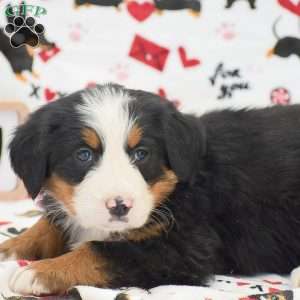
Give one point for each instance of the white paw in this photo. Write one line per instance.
(5, 257)
(24, 281)
(133, 294)
(295, 277)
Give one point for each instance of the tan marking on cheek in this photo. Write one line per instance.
(164, 187)
(42, 240)
(134, 136)
(79, 267)
(91, 138)
(160, 190)
(61, 191)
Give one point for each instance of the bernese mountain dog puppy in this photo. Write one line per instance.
(231, 2)
(193, 5)
(138, 194)
(115, 3)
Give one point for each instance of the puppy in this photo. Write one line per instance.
(115, 3)
(285, 46)
(193, 5)
(231, 2)
(138, 194)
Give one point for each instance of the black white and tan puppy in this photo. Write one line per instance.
(193, 5)
(115, 3)
(231, 2)
(285, 46)
(139, 194)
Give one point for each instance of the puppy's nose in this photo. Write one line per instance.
(118, 206)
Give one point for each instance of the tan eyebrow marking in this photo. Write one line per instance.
(91, 138)
(134, 136)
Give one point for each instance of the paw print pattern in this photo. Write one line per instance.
(227, 31)
(24, 31)
(120, 71)
(280, 96)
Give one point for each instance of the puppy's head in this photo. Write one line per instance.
(107, 155)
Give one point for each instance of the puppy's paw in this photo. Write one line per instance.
(26, 281)
(43, 277)
(295, 277)
(133, 294)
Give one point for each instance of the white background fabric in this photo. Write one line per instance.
(95, 41)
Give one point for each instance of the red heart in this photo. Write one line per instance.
(273, 290)
(4, 223)
(140, 11)
(239, 283)
(49, 95)
(289, 5)
(162, 93)
(47, 54)
(187, 62)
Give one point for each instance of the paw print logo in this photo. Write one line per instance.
(24, 31)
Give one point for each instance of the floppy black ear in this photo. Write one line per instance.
(185, 144)
(28, 156)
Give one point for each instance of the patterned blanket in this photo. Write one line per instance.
(15, 217)
(200, 54)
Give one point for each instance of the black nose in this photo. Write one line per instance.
(120, 209)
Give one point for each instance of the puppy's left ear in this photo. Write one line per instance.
(185, 144)
(29, 156)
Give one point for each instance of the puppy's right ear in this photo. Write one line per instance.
(28, 155)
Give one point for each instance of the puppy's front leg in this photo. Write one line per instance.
(145, 264)
(81, 266)
(42, 240)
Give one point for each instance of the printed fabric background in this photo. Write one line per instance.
(200, 54)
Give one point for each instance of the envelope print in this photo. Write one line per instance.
(149, 53)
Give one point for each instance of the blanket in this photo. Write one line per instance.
(15, 217)
(218, 53)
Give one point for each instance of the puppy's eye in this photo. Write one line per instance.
(84, 155)
(139, 154)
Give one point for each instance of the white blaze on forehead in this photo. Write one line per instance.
(106, 111)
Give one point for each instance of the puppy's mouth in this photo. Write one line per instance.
(118, 219)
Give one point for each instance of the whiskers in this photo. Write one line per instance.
(163, 217)
(54, 211)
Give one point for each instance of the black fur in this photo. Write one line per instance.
(231, 2)
(34, 151)
(115, 3)
(236, 208)
(194, 5)
(287, 46)
(18, 58)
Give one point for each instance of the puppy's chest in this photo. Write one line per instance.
(80, 236)
(76, 235)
